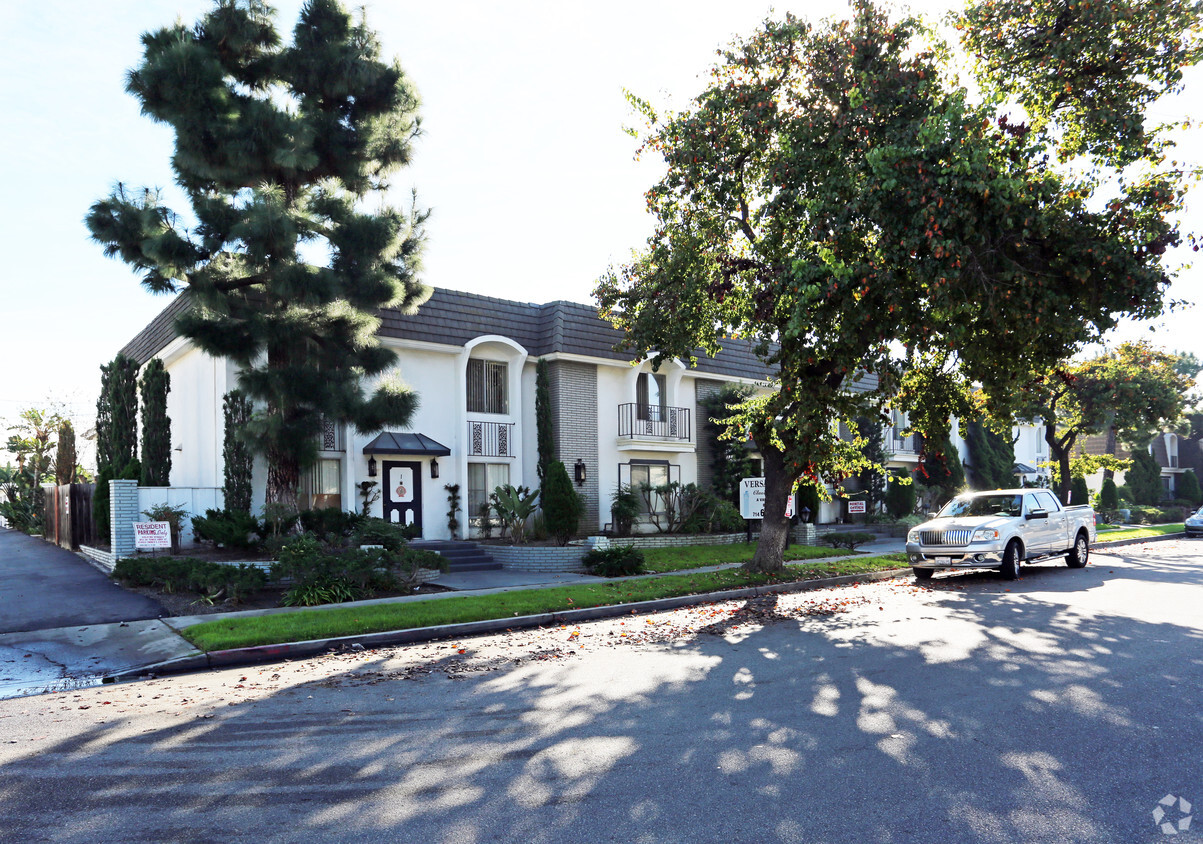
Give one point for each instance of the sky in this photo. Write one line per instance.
(531, 181)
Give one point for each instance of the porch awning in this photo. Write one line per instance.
(391, 442)
(1023, 469)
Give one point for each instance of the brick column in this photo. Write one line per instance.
(123, 512)
(804, 534)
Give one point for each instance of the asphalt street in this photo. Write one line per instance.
(1065, 707)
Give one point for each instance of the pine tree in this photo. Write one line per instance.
(731, 462)
(156, 425)
(543, 426)
(280, 147)
(238, 459)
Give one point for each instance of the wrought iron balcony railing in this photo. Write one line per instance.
(644, 421)
(490, 439)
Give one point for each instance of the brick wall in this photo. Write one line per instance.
(519, 558)
(123, 512)
(803, 535)
(574, 420)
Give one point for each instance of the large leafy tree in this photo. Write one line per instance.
(284, 153)
(1134, 390)
(833, 196)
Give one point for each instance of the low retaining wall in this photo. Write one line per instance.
(528, 558)
(104, 560)
(802, 535)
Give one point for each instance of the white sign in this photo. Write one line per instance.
(152, 535)
(751, 499)
(856, 507)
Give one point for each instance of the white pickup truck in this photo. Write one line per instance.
(1002, 529)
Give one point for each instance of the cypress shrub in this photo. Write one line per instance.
(239, 461)
(1079, 492)
(156, 425)
(900, 498)
(1188, 487)
(561, 505)
(1108, 495)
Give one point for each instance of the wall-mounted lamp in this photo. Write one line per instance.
(434, 467)
(580, 471)
(371, 467)
(804, 513)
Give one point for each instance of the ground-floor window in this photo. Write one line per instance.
(321, 487)
(483, 478)
(652, 473)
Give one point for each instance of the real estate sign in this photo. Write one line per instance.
(152, 535)
(751, 499)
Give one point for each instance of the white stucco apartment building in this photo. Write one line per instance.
(471, 359)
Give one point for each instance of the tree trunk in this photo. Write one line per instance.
(774, 528)
(1060, 451)
(1110, 449)
(283, 478)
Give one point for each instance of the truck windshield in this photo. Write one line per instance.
(983, 505)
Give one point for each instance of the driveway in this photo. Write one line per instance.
(42, 586)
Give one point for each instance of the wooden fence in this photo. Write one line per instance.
(67, 515)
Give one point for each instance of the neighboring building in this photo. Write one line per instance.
(1168, 449)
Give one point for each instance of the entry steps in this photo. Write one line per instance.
(460, 556)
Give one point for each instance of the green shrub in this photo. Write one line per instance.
(211, 581)
(624, 510)
(1108, 495)
(849, 539)
(329, 522)
(373, 531)
(1188, 488)
(227, 529)
(615, 561)
(562, 507)
(900, 497)
(322, 590)
(1079, 492)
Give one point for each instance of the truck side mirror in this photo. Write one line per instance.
(1038, 514)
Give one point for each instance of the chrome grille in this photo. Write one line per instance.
(944, 537)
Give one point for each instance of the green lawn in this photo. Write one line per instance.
(303, 625)
(685, 557)
(1145, 531)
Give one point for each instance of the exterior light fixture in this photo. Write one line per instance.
(371, 467)
(805, 514)
(580, 472)
(434, 467)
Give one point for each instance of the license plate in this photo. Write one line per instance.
(944, 561)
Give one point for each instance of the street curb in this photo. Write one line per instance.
(1119, 543)
(234, 657)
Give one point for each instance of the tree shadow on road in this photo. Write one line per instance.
(973, 715)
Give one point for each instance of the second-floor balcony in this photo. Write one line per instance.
(912, 444)
(653, 422)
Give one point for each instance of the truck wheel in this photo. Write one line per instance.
(923, 574)
(1011, 564)
(1079, 555)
